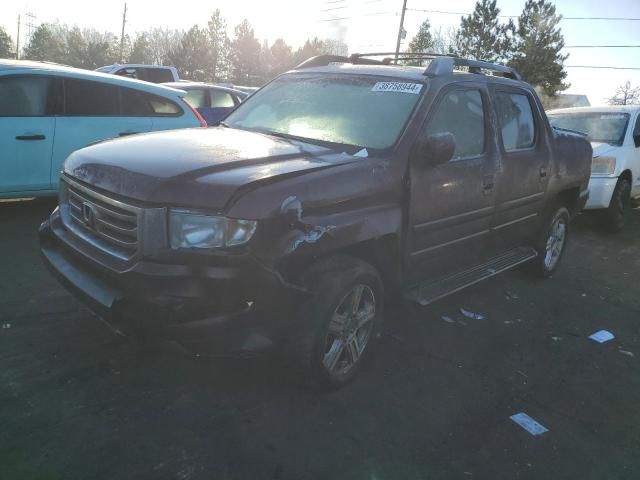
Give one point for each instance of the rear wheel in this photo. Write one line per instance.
(341, 319)
(551, 244)
(613, 217)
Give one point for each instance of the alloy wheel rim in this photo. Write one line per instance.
(555, 243)
(349, 330)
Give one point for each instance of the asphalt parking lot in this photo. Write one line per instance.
(434, 403)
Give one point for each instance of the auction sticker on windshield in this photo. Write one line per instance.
(397, 87)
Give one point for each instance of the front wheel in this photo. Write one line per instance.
(551, 244)
(340, 319)
(613, 217)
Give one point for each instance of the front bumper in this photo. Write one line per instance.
(240, 307)
(600, 192)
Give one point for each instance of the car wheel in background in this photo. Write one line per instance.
(613, 218)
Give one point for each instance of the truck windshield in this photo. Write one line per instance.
(599, 127)
(340, 109)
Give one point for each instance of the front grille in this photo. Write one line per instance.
(108, 224)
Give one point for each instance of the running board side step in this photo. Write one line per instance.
(428, 292)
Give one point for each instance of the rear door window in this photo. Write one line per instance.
(156, 75)
(516, 120)
(91, 99)
(22, 96)
(135, 103)
(197, 98)
(221, 99)
(163, 107)
(461, 113)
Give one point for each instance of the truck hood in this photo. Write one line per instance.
(600, 149)
(201, 168)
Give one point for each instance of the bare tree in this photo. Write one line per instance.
(625, 95)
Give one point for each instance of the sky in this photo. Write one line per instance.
(365, 25)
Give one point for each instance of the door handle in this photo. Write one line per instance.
(30, 137)
(543, 172)
(124, 134)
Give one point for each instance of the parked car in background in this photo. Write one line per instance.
(340, 181)
(247, 90)
(148, 73)
(47, 111)
(211, 101)
(614, 132)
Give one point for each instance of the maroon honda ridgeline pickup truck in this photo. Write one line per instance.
(342, 181)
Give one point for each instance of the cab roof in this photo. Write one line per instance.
(440, 66)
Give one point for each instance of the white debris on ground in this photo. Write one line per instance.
(529, 424)
(471, 315)
(602, 336)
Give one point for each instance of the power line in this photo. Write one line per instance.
(602, 67)
(516, 16)
(332, 8)
(356, 16)
(602, 46)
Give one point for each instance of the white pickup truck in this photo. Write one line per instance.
(614, 133)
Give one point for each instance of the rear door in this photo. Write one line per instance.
(452, 204)
(27, 127)
(524, 174)
(93, 112)
(222, 103)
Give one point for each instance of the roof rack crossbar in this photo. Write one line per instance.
(440, 64)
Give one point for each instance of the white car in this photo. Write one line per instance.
(614, 132)
(148, 73)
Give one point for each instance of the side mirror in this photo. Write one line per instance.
(439, 148)
(636, 139)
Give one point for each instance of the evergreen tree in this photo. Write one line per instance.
(6, 44)
(539, 42)
(141, 50)
(481, 36)
(281, 58)
(76, 48)
(422, 42)
(219, 46)
(102, 48)
(246, 55)
(191, 56)
(311, 48)
(45, 44)
(162, 42)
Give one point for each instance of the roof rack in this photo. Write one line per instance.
(440, 64)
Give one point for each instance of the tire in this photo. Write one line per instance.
(340, 320)
(613, 218)
(551, 244)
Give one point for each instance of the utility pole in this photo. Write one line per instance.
(401, 33)
(18, 40)
(124, 21)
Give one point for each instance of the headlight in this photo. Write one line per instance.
(603, 165)
(197, 230)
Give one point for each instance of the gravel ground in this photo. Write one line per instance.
(434, 403)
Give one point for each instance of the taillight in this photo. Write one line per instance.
(203, 122)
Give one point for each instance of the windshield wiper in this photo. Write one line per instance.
(312, 141)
